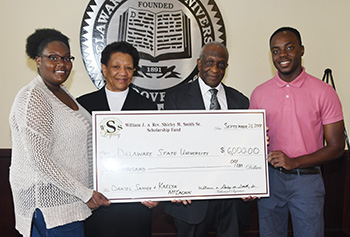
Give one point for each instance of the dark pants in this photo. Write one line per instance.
(222, 217)
(120, 219)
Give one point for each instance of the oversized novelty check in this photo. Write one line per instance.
(163, 155)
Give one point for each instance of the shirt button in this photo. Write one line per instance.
(287, 96)
(288, 85)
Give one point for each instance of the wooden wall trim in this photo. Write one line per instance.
(5, 153)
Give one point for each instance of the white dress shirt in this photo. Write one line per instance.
(206, 94)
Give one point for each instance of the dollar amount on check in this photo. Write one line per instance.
(163, 155)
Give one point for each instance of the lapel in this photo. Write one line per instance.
(101, 100)
(195, 97)
(229, 99)
(232, 99)
(130, 100)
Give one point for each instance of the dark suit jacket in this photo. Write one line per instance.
(122, 219)
(97, 101)
(189, 97)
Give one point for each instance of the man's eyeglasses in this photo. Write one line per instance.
(56, 58)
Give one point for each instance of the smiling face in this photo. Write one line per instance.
(118, 71)
(286, 54)
(54, 73)
(212, 64)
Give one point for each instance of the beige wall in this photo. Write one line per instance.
(324, 26)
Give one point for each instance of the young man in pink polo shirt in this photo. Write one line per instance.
(300, 111)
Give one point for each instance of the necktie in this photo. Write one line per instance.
(214, 103)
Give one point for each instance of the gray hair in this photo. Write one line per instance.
(215, 43)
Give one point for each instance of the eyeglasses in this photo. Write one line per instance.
(56, 58)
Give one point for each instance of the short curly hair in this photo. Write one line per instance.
(122, 47)
(38, 41)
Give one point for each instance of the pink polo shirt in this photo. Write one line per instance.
(296, 112)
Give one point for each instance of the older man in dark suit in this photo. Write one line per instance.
(228, 217)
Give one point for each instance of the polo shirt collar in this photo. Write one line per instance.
(297, 82)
